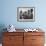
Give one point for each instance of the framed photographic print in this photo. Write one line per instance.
(26, 14)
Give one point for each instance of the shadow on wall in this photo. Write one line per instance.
(2, 26)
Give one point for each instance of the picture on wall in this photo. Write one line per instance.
(26, 14)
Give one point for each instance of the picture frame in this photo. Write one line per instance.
(26, 14)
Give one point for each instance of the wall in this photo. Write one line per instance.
(8, 13)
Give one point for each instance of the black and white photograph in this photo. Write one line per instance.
(26, 14)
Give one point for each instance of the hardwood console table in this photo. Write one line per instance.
(23, 38)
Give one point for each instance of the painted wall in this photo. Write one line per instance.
(9, 13)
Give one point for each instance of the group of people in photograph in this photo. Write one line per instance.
(26, 14)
